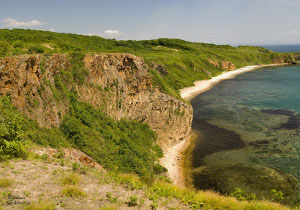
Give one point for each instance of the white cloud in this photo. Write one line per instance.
(295, 33)
(51, 29)
(111, 34)
(10, 22)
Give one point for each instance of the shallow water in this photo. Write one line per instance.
(251, 120)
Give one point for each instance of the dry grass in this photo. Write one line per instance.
(73, 191)
(207, 199)
(6, 182)
(71, 179)
(41, 205)
(97, 190)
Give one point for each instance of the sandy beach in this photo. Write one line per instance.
(173, 156)
(203, 85)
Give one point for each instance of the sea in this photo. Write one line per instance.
(283, 48)
(247, 133)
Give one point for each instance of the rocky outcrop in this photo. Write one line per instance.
(161, 69)
(71, 154)
(119, 84)
(225, 65)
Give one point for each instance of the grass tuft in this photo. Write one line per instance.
(71, 179)
(73, 191)
(41, 205)
(6, 182)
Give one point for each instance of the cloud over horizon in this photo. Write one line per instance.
(111, 34)
(10, 22)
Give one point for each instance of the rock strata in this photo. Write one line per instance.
(119, 84)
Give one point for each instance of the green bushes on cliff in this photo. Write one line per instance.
(12, 131)
(17, 131)
(125, 146)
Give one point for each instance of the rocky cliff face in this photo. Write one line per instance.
(225, 65)
(117, 83)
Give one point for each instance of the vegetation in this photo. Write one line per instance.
(5, 182)
(70, 179)
(125, 146)
(41, 205)
(185, 61)
(73, 191)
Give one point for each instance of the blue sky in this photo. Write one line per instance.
(213, 21)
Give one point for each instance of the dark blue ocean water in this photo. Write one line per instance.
(283, 48)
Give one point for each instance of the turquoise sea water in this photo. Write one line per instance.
(252, 121)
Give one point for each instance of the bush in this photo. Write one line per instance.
(12, 131)
(133, 201)
(277, 195)
(3, 48)
(36, 49)
(239, 194)
(124, 146)
(17, 130)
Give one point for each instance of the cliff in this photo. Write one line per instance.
(119, 84)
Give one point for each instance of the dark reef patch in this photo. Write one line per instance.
(253, 179)
(213, 139)
(293, 121)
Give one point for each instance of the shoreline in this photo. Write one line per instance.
(201, 86)
(173, 157)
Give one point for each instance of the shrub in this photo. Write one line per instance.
(79, 72)
(124, 146)
(239, 194)
(111, 198)
(35, 48)
(75, 166)
(3, 48)
(18, 43)
(133, 201)
(12, 131)
(277, 195)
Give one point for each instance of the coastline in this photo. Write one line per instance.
(204, 85)
(173, 158)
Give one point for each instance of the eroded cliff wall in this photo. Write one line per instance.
(119, 84)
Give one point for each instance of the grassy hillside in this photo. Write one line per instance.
(65, 187)
(184, 61)
(119, 146)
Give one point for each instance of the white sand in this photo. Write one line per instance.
(171, 161)
(204, 85)
(173, 156)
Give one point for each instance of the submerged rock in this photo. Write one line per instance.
(253, 179)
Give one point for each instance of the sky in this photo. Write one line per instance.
(212, 21)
